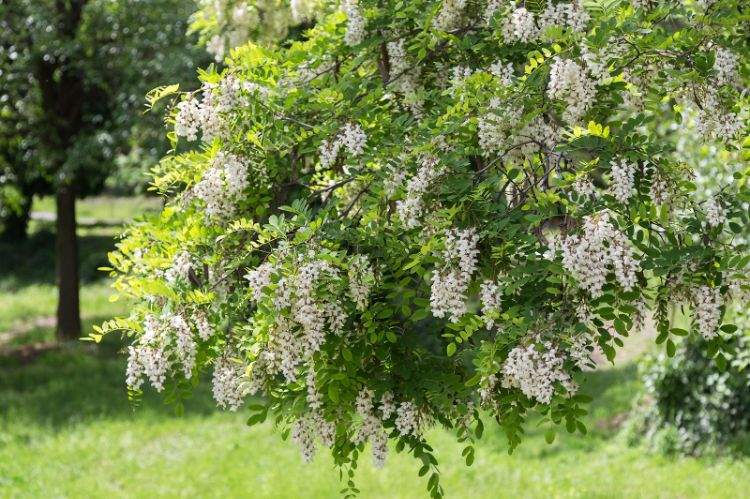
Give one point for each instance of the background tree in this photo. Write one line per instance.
(74, 73)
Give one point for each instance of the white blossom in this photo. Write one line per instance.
(229, 387)
(202, 325)
(259, 278)
(504, 72)
(623, 180)
(565, 15)
(188, 119)
(491, 297)
(715, 213)
(410, 209)
(222, 185)
(584, 187)
(570, 83)
(184, 343)
(725, 65)
(303, 434)
(450, 14)
(352, 137)
(355, 22)
(520, 27)
(407, 418)
(598, 250)
(449, 284)
(707, 303)
(404, 75)
(535, 372)
(180, 269)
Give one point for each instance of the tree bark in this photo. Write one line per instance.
(68, 306)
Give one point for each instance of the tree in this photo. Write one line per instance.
(430, 208)
(74, 73)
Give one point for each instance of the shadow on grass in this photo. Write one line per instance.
(33, 261)
(76, 383)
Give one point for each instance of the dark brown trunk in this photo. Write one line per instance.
(68, 307)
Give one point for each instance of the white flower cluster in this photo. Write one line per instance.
(371, 428)
(623, 180)
(149, 355)
(229, 385)
(259, 278)
(584, 187)
(449, 284)
(188, 119)
(596, 64)
(352, 137)
(520, 27)
(715, 213)
(644, 4)
(410, 209)
(405, 75)
(209, 114)
(491, 297)
(361, 279)
(308, 307)
(303, 434)
(601, 248)
(205, 331)
(450, 15)
(500, 130)
(496, 127)
(714, 122)
(222, 185)
(570, 83)
(302, 10)
(184, 344)
(659, 190)
(180, 269)
(707, 303)
(355, 22)
(535, 372)
(569, 15)
(407, 419)
(503, 71)
(725, 65)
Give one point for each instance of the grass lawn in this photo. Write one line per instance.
(67, 429)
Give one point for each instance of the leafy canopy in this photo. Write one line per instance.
(429, 208)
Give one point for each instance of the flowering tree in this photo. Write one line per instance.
(225, 24)
(428, 209)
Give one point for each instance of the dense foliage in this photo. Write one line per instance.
(427, 209)
(692, 405)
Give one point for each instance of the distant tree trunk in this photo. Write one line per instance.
(68, 307)
(15, 224)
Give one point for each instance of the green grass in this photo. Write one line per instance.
(68, 430)
(104, 208)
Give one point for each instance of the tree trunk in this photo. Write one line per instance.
(68, 308)
(15, 224)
